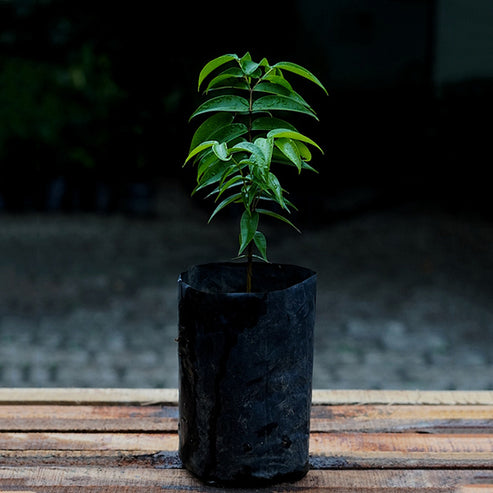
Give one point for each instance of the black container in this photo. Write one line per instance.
(245, 368)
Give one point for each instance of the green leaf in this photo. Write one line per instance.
(233, 74)
(271, 103)
(299, 70)
(199, 148)
(254, 150)
(249, 67)
(261, 244)
(208, 127)
(269, 123)
(233, 182)
(212, 65)
(280, 90)
(248, 227)
(223, 103)
(221, 151)
(276, 189)
(212, 175)
(290, 134)
(277, 216)
(233, 198)
(305, 153)
(289, 148)
(279, 80)
(266, 146)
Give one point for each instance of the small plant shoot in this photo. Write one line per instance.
(245, 132)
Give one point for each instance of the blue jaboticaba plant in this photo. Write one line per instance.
(246, 131)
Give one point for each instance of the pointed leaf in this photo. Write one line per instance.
(299, 70)
(273, 88)
(212, 65)
(233, 182)
(289, 148)
(221, 151)
(208, 127)
(200, 148)
(282, 103)
(229, 75)
(223, 103)
(269, 123)
(305, 153)
(233, 198)
(290, 134)
(277, 216)
(261, 244)
(266, 146)
(248, 227)
(276, 188)
(256, 151)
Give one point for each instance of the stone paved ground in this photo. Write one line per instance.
(404, 297)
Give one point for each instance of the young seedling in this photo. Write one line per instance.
(235, 146)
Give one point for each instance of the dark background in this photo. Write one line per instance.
(95, 99)
(96, 221)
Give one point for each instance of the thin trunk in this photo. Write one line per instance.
(249, 268)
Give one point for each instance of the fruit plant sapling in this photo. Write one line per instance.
(243, 135)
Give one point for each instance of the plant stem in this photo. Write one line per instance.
(250, 245)
(249, 268)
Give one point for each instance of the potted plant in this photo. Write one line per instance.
(246, 328)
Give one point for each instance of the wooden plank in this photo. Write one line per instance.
(329, 450)
(88, 396)
(476, 488)
(401, 418)
(333, 397)
(34, 417)
(144, 443)
(397, 418)
(102, 479)
(170, 396)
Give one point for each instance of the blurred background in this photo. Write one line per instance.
(96, 218)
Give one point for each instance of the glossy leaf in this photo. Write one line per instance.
(233, 182)
(272, 103)
(305, 153)
(277, 216)
(229, 75)
(228, 102)
(248, 227)
(233, 198)
(221, 151)
(254, 150)
(280, 90)
(299, 70)
(261, 244)
(208, 127)
(199, 148)
(290, 134)
(213, 65)
(276, 188)
(212, 175)
(228, 83)
(266, 146)
(269, 123)
(289, 148)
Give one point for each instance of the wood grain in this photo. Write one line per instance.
(126, 440)
(113, 479)
(170, 396)
(362, 418)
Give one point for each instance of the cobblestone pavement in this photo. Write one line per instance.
(404, 296)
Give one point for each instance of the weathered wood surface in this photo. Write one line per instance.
(122, 440)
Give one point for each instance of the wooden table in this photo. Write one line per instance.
(125, 440)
